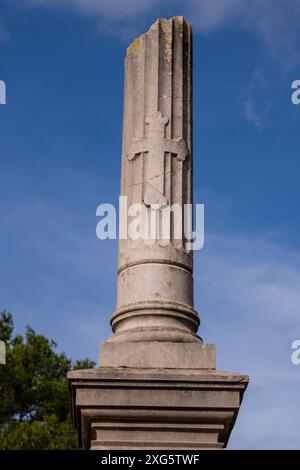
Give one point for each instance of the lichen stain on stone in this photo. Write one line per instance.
(134, 47)
(179, 18)
(168, 51)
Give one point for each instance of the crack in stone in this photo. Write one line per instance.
(155, 176)
(156, 190)
(152, 177)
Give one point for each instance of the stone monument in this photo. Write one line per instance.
(157, 386)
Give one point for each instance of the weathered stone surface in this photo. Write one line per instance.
(117, 408)
(169, 355)
(155, 280)
(157, 387)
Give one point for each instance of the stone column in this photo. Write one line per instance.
(155, 276)
(155, 280)
(157, 387)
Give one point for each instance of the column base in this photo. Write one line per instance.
(130, 409)
(157, 354)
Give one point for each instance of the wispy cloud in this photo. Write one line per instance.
(248, 294)
(274, 22)
(251, 113)
(112, 10)
(52, 247)
(3, 33)
(259, 100)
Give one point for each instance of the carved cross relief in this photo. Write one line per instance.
(156, 145)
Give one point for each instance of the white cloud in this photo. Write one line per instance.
(108, 9)
(273, 22)
(269, 269)
(208, 15)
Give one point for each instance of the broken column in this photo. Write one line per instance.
(157, 386)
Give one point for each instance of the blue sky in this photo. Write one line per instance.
(60, 147)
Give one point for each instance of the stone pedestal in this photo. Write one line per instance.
(115, 408)
(157, 387)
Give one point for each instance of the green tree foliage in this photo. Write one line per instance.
(34, 402)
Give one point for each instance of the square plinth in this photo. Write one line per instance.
(118, 408)
(157, 354)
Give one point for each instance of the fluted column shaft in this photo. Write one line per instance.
(155, 278)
